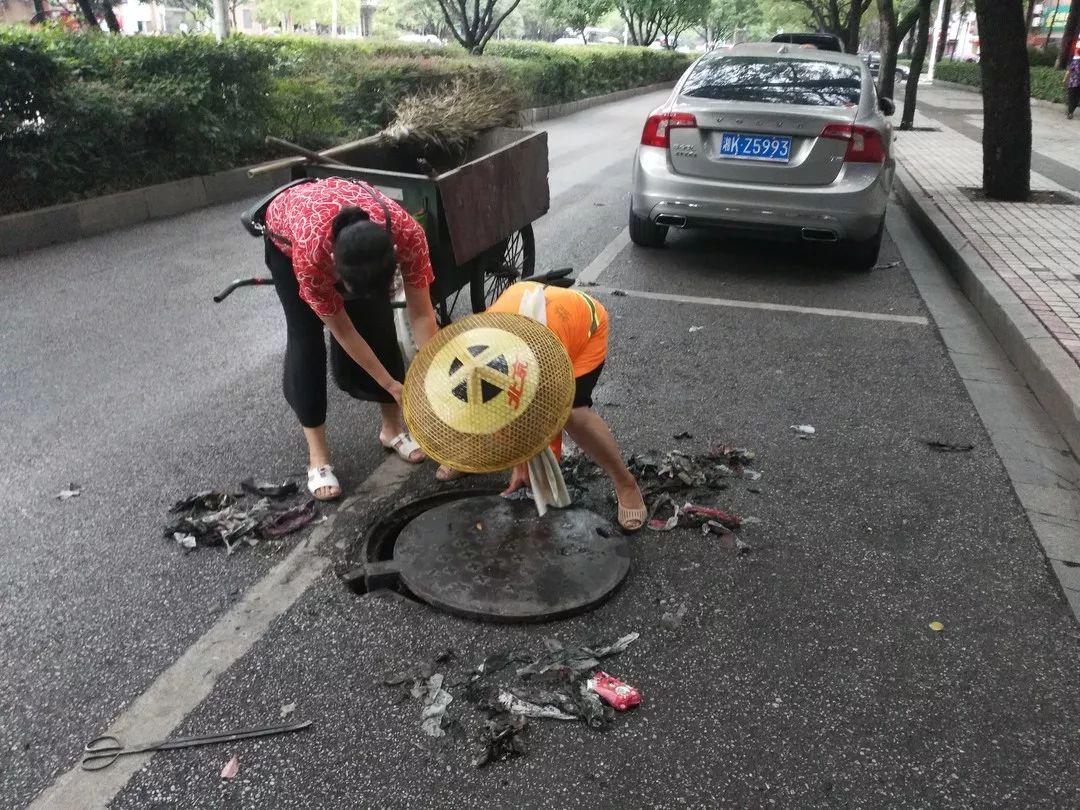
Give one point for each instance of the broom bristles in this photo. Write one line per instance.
(449, 117)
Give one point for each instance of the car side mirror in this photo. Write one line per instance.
(887, 106)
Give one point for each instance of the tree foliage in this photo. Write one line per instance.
(576, 15)
(840, 17)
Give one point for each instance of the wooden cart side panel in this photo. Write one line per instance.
(489, 199)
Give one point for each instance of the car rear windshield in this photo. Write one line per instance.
(775, 81)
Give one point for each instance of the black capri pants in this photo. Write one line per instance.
(304, 380)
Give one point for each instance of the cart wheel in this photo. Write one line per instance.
(516, 261)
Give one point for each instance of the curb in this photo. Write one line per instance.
(538, 114)
(1036, 102)
(1048, 369)
(29, 230)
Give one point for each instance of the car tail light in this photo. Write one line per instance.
(865, 145)
(659, 124)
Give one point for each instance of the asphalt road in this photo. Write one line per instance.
(804, 672)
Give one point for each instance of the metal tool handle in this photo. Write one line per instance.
(101, 752)
(246, 734)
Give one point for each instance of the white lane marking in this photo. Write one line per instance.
(606, 257)
(728, 302)
(156, 713)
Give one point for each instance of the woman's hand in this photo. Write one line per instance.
(394, 390)
(518, 479)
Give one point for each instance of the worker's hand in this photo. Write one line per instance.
(518, 479)
(394, 390)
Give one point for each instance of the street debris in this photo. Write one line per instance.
(674, 619)
(948, 447)
(696, 329)
(886, 266)
(507, 701)
(231, 769)
(72, 491)
(287, 709)
(510, 688)
(436, 700)
(686, 434)
(937, 627)
(185, 541)
(501, 739)
(264, 489)
(613, 692)
(804, 431)
(217, 518)
(619, 293)
(689, 516)
(279, 524)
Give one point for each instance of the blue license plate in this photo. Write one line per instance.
(775, 148)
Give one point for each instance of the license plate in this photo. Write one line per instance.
(774, 148)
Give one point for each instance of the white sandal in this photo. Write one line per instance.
(323, 476)
(404, 445)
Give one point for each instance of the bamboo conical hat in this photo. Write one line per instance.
(488, 392)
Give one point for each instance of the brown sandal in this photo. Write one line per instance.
(628, 516)
(445, 474)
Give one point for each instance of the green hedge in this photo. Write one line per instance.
(85, 114)
(1046, 82)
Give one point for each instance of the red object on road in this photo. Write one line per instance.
(614, 692)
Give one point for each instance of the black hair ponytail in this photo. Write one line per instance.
(349, 215)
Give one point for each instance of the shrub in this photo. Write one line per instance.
(1037, 57)
(1047, 83)
(84, 114)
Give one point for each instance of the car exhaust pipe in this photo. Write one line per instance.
(673, 220)
(818, 235)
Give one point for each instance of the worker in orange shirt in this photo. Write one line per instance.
(580, 322)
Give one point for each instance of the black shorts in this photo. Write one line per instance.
(584, 385)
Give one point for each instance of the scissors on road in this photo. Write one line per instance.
(101, 752)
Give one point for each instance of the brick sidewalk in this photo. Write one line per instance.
(1033, 247)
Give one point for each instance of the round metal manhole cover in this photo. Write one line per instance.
(493, 559)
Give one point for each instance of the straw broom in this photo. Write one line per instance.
(445, 119)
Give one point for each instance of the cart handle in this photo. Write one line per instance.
(555, 278)
(263, 281)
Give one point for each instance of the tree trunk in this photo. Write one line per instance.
(922, 35)
(1049, 28)
(88, 12)
(110, 17)
(1068, 39)
(887, 70)
(1006, 96)
(943, 25)
(1030, 15)
(854, 25)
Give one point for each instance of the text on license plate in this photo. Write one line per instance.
(755, 147)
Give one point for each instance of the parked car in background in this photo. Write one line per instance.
(775, 142)
(821, 41)
(873, 61)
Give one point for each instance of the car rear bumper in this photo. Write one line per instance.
(849, 208)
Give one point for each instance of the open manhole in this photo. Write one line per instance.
(477, 555)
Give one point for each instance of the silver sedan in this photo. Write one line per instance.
(770, 140)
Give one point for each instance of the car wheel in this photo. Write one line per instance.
(862, 254)
(645, 233)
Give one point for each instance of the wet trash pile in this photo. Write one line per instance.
(674, 484)
(691, 475)
(509, 689)
(214, 518)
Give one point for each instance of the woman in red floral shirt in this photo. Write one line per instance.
(333, 259)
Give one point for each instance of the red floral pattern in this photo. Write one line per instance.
(303, 214)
